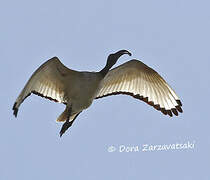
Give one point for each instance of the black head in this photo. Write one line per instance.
(112, 58)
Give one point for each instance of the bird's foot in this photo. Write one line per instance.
(65, 126)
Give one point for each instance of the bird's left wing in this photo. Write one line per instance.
(47, 81)
(142, 82)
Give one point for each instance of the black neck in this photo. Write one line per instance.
(105, 70)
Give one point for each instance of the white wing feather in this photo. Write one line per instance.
(47, 81)
(142, 82)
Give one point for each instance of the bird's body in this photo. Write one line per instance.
(77, 90)
(87, 83)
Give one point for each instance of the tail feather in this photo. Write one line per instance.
(64, 115)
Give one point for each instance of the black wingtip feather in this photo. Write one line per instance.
(163, 111)
(15, 109)
(174, 111)
(179, 102)
(157, 106)
(179, 109)
(169, 113)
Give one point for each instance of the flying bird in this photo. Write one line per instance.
(78, 89)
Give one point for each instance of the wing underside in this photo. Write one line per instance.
(136, 79)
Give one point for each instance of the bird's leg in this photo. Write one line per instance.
(67, 123)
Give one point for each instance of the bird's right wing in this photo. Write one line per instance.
(47, 81)
(136, 79)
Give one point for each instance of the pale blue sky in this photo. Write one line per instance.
(170, 36)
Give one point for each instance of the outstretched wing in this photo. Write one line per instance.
(142, 82)
(47, 81)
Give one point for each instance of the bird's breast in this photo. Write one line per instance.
(83, 90)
